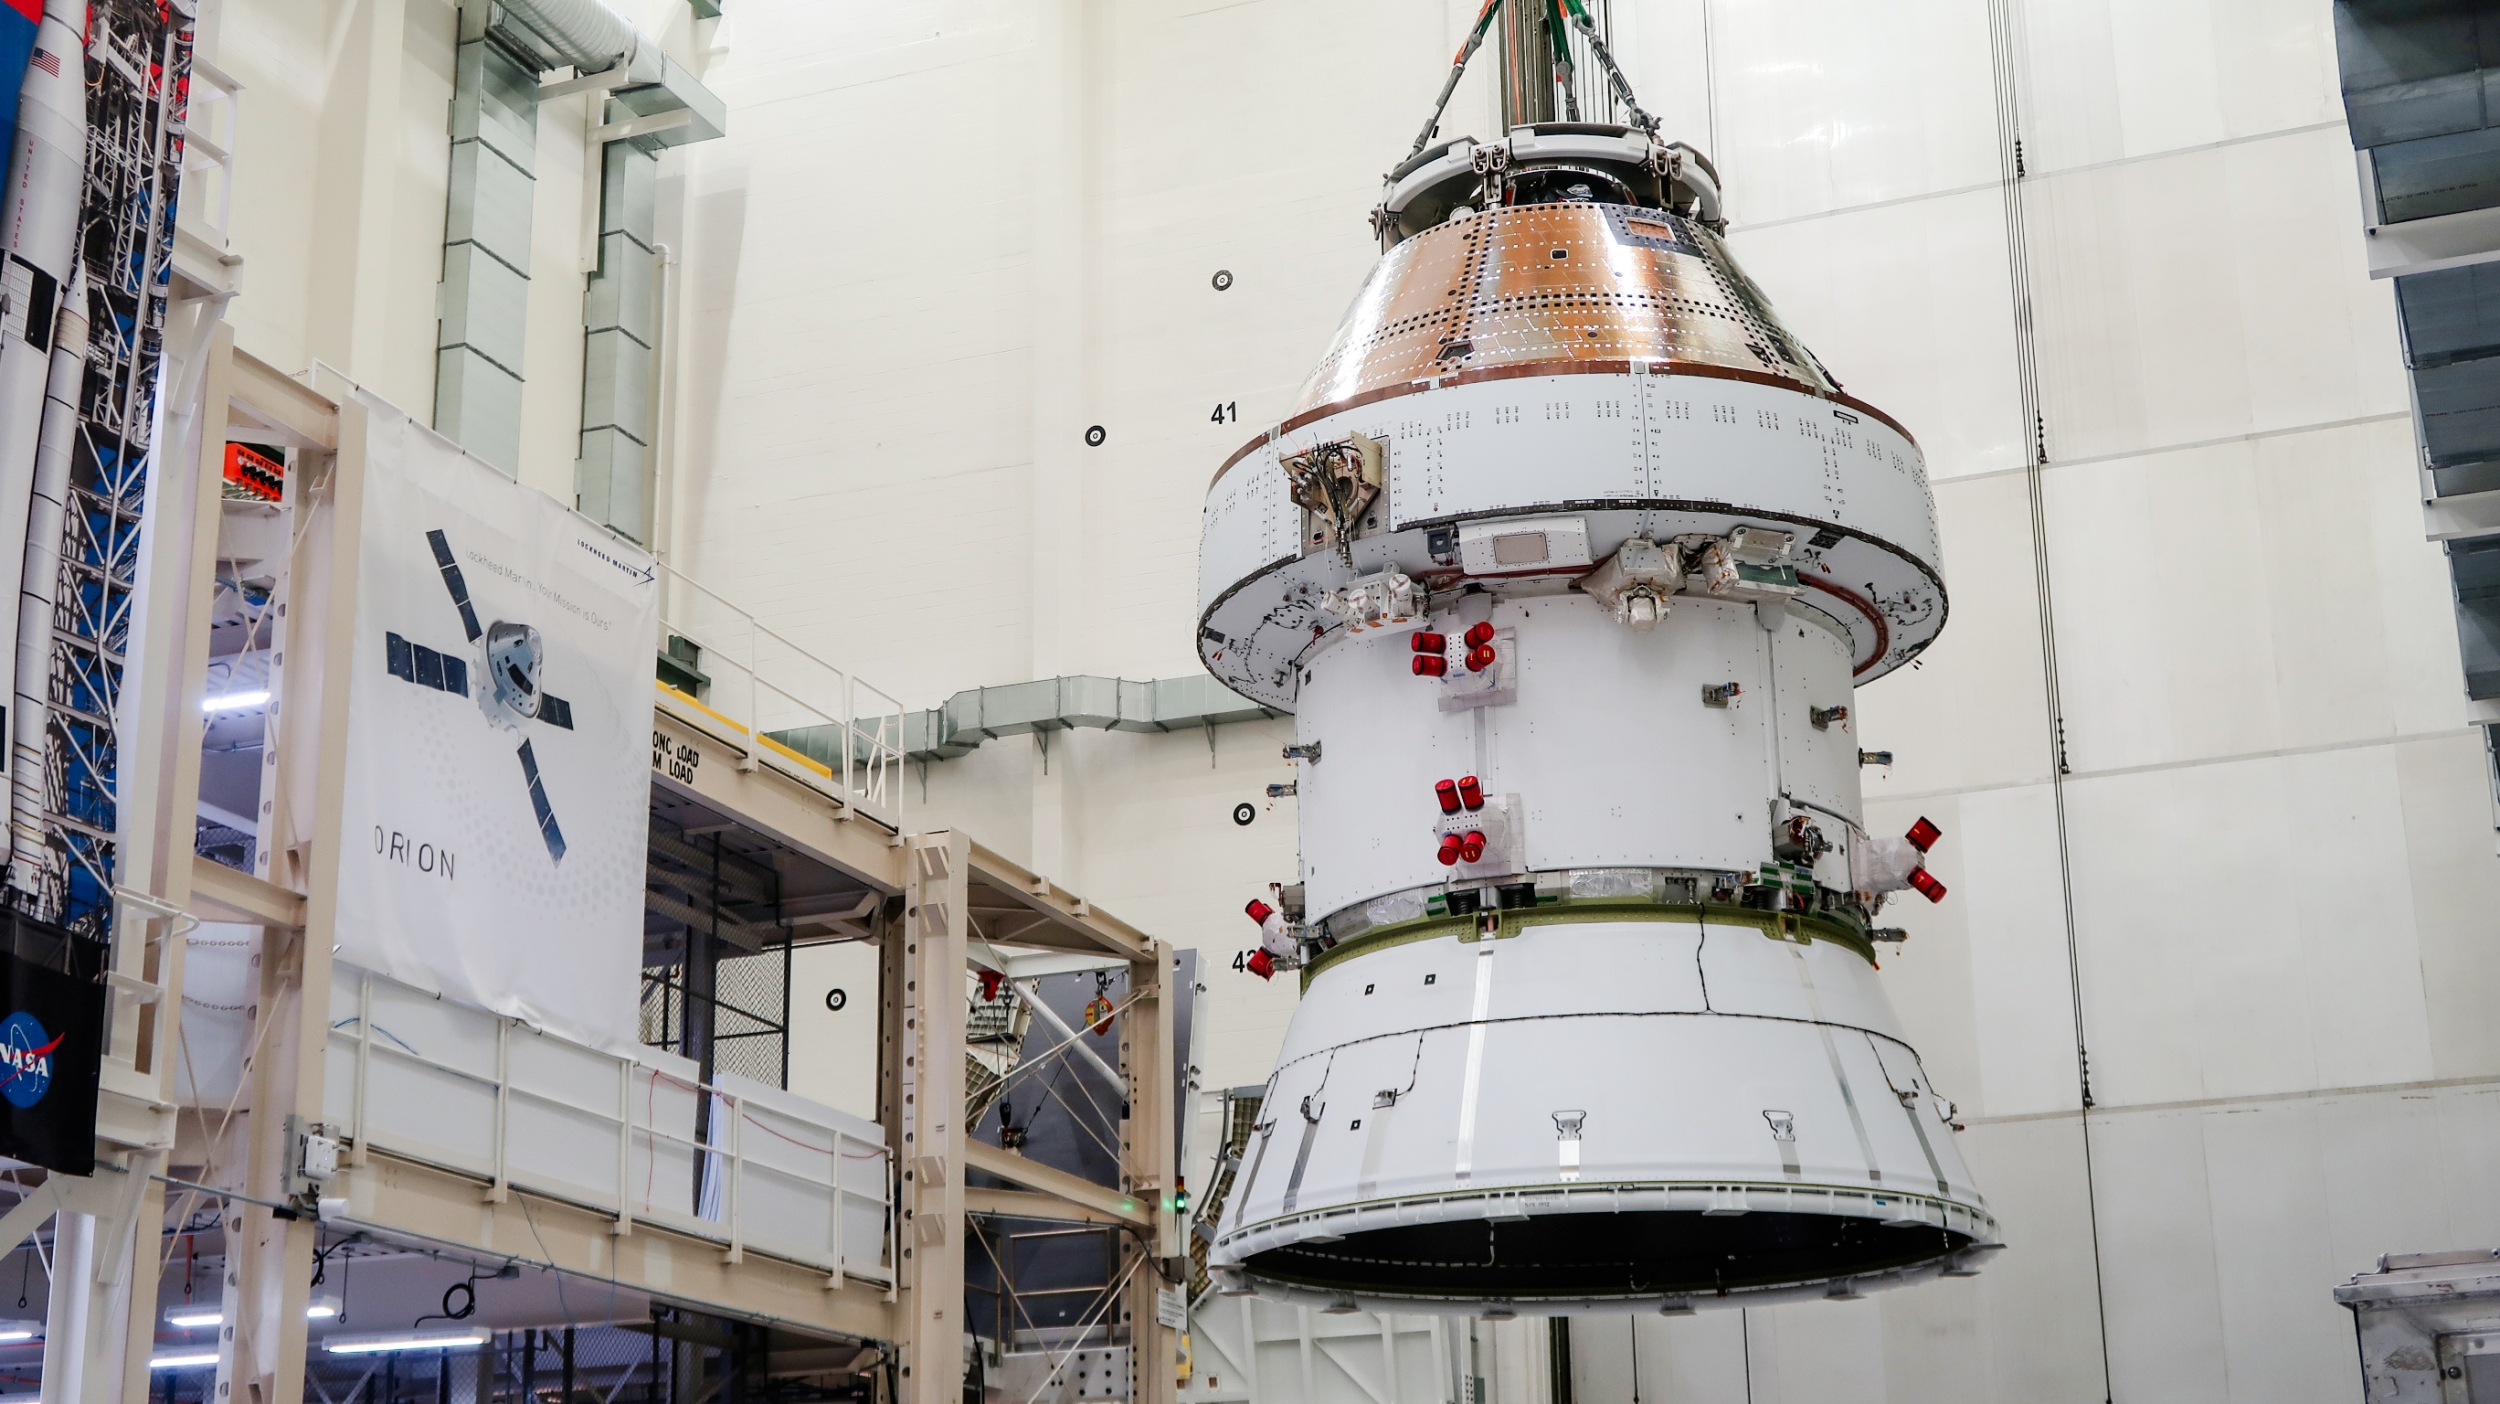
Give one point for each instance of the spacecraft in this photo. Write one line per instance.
(510, 657)
(1567, 562)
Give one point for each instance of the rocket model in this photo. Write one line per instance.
(19, 20)
(38, 595)
(1567, 561)
(38, 251)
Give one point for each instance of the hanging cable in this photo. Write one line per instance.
(1579, 15)
(2012, 175)
(1458, 66)
(1558, 38)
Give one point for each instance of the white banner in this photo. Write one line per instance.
(498, 762)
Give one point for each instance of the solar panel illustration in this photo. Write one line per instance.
(509, 695)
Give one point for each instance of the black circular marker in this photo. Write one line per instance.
(1094, 436)
(835, 999)
(1244, 812)
(1223, 279)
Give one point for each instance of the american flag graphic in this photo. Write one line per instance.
(49, 63)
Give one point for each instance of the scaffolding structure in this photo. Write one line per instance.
(138, 78)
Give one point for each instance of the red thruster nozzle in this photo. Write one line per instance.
(1259, 911)
(1470, 793)
(1446, 791)
(1449, 851)
(1471, 847)
(1924, 833)
(1258, 964)
(1926, 884)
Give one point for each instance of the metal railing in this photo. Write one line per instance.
(784, 706)
(448, 1084)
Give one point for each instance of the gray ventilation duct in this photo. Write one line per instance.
(651, 102)
(979, 714)
(584, 33)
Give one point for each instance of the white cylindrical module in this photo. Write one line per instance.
(1568, 563)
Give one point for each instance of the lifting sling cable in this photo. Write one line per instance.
(1579, 15)
(1558, 35)
(1458, 66)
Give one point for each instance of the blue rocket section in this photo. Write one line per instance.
(17, 42)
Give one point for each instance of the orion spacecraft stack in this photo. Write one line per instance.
(1567, 562)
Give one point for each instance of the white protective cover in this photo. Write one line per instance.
(445, 881)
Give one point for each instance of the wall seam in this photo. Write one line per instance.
(2190, 446)
(2402, 738)
(2253, 1099)
(2088, 168)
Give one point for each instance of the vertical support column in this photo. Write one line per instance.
(269, 1259)
(928, 1111)
(486, 245)
(1149, 1167)
(160, 791)
(119, 1348)
(612, 481)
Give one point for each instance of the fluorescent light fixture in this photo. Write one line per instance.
(323, 1307)
(19, 1331)
(191, 1318)
(233, 701)
(469, 1339)
(183, 1362)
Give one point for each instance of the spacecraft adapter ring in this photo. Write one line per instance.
(1805, 928)
(1877, 656)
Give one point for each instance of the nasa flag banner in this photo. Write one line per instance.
(51, 1058)
(498, 779)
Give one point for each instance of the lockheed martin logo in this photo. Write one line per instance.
(26, 1056)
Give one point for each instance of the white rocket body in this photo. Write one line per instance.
(38, 251)
(38, 596)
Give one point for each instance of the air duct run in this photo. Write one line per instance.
(650, 101)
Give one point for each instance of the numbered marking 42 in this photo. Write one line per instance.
(675, 758)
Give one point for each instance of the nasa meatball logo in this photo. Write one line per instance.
(26, 1053)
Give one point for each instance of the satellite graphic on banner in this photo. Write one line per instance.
(508, 692)
(498, 767)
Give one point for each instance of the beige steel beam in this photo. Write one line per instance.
(1148, 1167)
(1025, 1204)
(695, 761)
(1074, 1190)
(408, 1200)
(220, 893)
(268, 404)
(269, 1259)
(924, 1004)
(1016, 907)
(162, 722)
